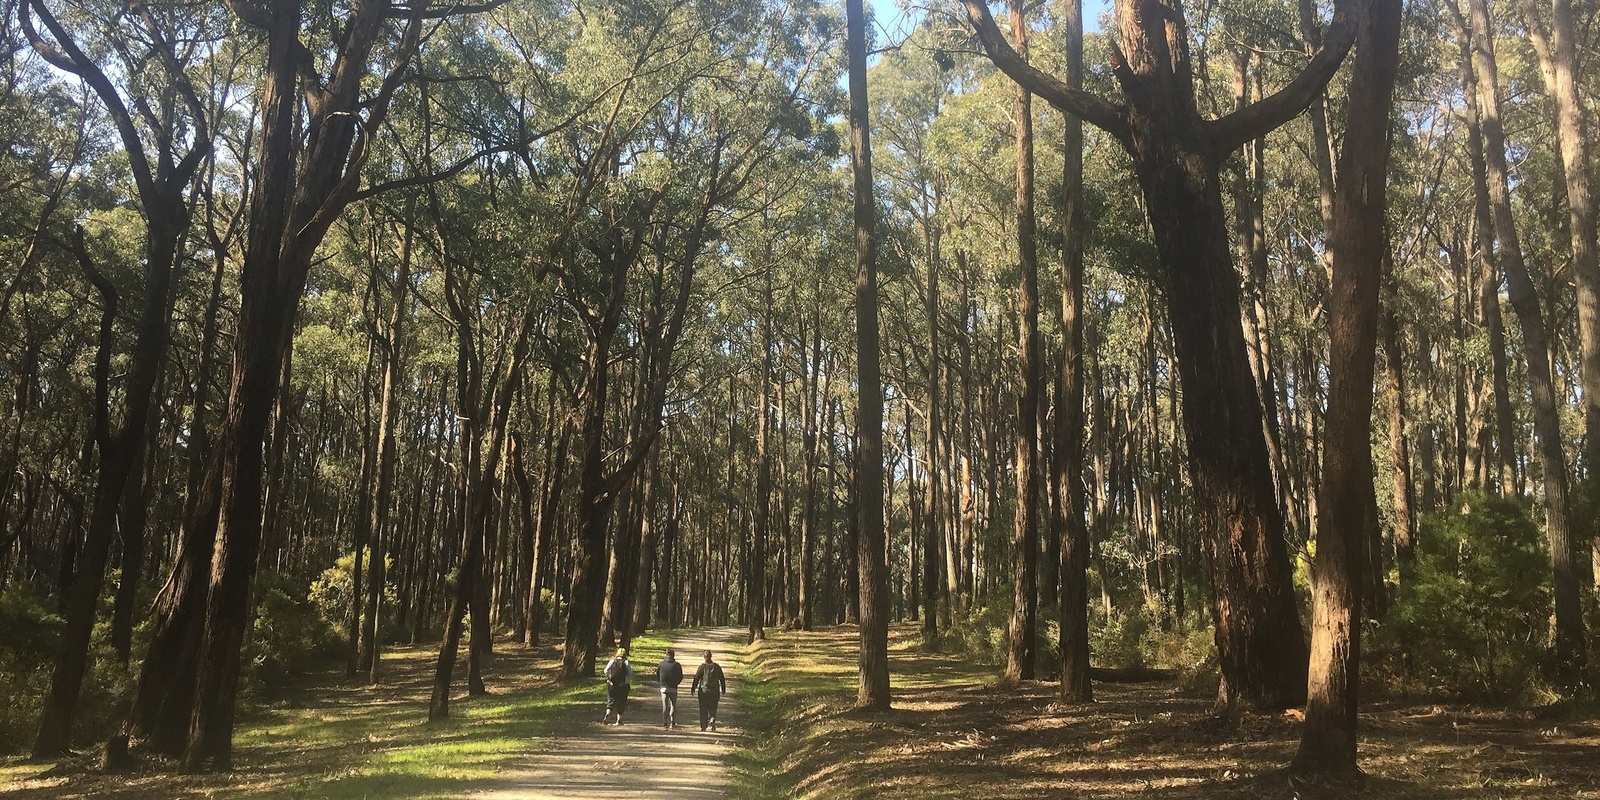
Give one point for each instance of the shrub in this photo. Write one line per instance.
(288, 636)
(330, 593)
(29, 631)
(1470, 619)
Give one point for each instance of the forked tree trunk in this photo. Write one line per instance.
(1537, 353)
(161, 179)
(1176, 155)
(388, 404)
(1558, 61)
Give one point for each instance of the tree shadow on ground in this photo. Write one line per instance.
(341, 738)
(955, 731)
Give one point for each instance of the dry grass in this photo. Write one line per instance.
(954, 732)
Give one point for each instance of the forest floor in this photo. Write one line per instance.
(531, 737)
(954, 733)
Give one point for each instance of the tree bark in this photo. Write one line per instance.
(1558, 60)
(1025, 538)
(1537, 352)
(1176, 154)
(1359, 243)
(1069, 417)
(161, 180)
(873, 685)
(394, 348)
(757, 595)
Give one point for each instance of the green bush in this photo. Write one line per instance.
(330, 593)
(1470, 619)
(29, 631)
(1132, 638)
(1128, 638)
(288, 636)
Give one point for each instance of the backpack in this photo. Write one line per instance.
(617, 670)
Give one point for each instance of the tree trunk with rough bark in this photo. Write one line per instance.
(1536, 344)
(1359, 245)
(873, 685)
(1069, 417)
(1025, 537)
(1177, 155)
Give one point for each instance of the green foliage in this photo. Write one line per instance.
(28, 634)
(1470, 619)
(288, 635)
(330, 593)
(1135, 638)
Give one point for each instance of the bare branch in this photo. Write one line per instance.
(1230, 132)
(1056, 92)
(406, 12)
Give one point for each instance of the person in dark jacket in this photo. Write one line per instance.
(708, 685)
(669, 674)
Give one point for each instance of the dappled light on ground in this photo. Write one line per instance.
(344, 739)
(955, 732)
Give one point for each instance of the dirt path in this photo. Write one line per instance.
(585, 759)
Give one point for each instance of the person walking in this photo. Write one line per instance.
(669, 674)
(618, 673)
(708, 685)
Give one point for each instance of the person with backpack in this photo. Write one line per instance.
(709, 685)
(669, 674)
(618, 672)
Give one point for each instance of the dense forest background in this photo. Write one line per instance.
(330, 326)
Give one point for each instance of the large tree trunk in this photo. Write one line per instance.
(161, 181)
(1176, 154)
(1536, 343)
(165, 697)
(1069, 417)
(1558, 60)
(1025, 538)
(588, 572)
(1328, 740)
(873, 685)
(294, 202)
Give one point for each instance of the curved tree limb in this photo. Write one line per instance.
(1056, 92)
(1229, 132)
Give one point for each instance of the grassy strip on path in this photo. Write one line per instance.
(342, 739)
(956, 732)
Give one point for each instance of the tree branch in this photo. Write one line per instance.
(1230, 132)
(404, 12)
(1056, 92)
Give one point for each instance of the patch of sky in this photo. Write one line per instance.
(894, 19)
